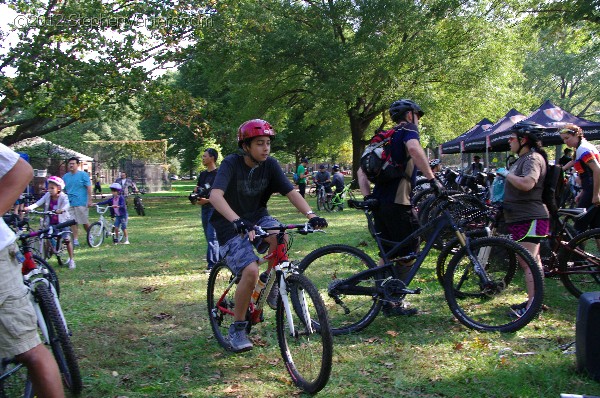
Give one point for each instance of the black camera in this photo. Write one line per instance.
(201, 192)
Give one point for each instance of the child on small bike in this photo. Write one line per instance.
(242, 187)
(58, 201)
(118, 210)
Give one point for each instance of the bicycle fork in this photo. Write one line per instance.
(482, 258)
(286, 268)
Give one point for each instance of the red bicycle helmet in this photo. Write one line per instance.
(254, 128)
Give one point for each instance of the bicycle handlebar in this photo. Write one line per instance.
(303, 229)
(42, 231)
(101, 209)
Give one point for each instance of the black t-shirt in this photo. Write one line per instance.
(564, 160)
(206, 178)
(247, 191)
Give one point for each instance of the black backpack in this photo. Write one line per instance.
(554, 184)
(376, 160)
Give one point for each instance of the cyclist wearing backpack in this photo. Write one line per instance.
(586, 164)
(393, 218)
(526, 215)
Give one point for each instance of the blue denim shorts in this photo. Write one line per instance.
(238, 252)
(121, 222)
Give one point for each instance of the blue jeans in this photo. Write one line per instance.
(212, 250)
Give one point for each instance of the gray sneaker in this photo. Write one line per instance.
(238, 338)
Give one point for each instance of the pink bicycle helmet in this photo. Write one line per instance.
(254, 128)
(56, 180)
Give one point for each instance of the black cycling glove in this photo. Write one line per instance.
(318, 222)
(242, 226)
(437, 186)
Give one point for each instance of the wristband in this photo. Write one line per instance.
(308, 213)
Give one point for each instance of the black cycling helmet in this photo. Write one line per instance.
(304, 160)
(526, 126)
(434, 162)
(335, 167)
(529, 130)
(399, 108)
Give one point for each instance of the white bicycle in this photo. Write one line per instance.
(102, 229)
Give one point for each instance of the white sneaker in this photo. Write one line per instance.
(126, 242)
(71, 263)
(76, 242)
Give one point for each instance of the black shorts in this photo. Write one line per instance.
(395, 222)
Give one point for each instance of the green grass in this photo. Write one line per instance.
(139, 322)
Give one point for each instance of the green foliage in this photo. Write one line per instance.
(112, 152)
(70, 59)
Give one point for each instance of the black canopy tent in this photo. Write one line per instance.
(455, 145)
(479, 142)
(553, 118)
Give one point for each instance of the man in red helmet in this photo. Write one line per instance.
(241, 190)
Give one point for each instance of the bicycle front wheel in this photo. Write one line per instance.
(220, 302)
(327, 267)
(58, 339)
(95, 234)
(579, 263)
(500, 303)
(304, 335)
(48, 273)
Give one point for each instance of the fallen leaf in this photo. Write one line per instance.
(392, 333)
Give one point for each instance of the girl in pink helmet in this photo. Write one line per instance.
(58, 201)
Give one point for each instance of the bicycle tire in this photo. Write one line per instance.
(220, 311)
(326, 267)
(308, 352)
(492, 308)
(95, 234)
(62, 254)
(48, 273)
(328, 205)
(580, 273)
(320, 200)
(312, 191)
(59, 339)
(18, 383)
(450, 249)
(142, 210)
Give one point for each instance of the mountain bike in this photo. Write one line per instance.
(101, 229)
(303, 331)
(138, 203)
(337, 200)
(478, 289)
(53, 242)
(573, 258)
(42, 284)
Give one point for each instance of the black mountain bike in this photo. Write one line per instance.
(480, 292)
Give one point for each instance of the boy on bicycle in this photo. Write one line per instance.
(58, 201)
(242, 188)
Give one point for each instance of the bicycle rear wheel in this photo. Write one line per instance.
(494, 306)
(307, 348)
(579, 264)
(220, 302)
(58, 339)
(95, 234)
(18, 383)
(62, 253)
(327, 267)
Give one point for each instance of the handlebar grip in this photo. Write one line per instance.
(65, 224)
